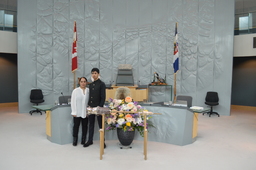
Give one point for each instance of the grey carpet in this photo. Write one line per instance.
(223, 143)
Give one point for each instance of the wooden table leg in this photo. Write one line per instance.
(101, 147)
(102, 137)
(145, 137)
(48, 123)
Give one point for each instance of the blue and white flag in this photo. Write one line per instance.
(176, 51)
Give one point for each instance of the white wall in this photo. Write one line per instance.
(8, 42)
(243, 45)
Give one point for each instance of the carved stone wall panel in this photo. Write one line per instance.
(144, 64)
(188, 57)
(141, 33)
(159, 43)
(159, 48)
(131, 48)
(158, 37)
(44, 46)
(61, 48)
(144, 45)
(132, 37)
(106, 48)
(174, 14)
(206, 41)
(119, 23)
(76, 11)
(92, 36)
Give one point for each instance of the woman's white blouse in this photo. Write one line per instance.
(79, 101)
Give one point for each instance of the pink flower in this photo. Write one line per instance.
(128, 99)
(128, 116)
(134, 109)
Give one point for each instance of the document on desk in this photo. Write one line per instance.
(197, 108)
(180, 103)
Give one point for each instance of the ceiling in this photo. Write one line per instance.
(241, 6)
(245, 6)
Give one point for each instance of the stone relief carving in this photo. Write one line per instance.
(106, 44)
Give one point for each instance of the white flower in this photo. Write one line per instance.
(109, 121)
(120, 121)
(111, 106)
(117, 102)
(124, 107)
(130, 105)
(138, 120)
(134, 120)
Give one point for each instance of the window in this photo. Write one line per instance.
(243, 23)
(8, 20)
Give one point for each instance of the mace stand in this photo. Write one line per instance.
(103, 110)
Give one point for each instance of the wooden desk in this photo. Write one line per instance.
(138, 94)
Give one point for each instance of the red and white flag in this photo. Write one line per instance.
(74, 50)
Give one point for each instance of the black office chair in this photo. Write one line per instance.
(186, 98)
(36, 97)
(212, 99)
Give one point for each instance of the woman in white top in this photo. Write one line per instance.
(79, 101)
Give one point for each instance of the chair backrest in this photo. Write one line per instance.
(186, 98)
(212, 96)
(36, 94)
(124, 75)
(64, 99)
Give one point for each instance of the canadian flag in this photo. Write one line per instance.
(74, 50)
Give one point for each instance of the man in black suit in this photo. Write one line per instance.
(97, 96)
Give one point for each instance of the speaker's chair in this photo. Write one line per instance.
(36, 97)
(212, 99)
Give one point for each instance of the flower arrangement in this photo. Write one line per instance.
(126, 114)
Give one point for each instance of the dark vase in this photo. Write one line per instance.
(125, 137)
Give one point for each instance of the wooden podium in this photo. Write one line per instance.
(138, 94)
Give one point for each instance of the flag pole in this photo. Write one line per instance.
(174, 88)
(74, 72)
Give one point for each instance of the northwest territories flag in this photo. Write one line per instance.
(176, 51)
(74, 50)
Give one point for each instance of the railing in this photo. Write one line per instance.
(8, 20)
(245, 23)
